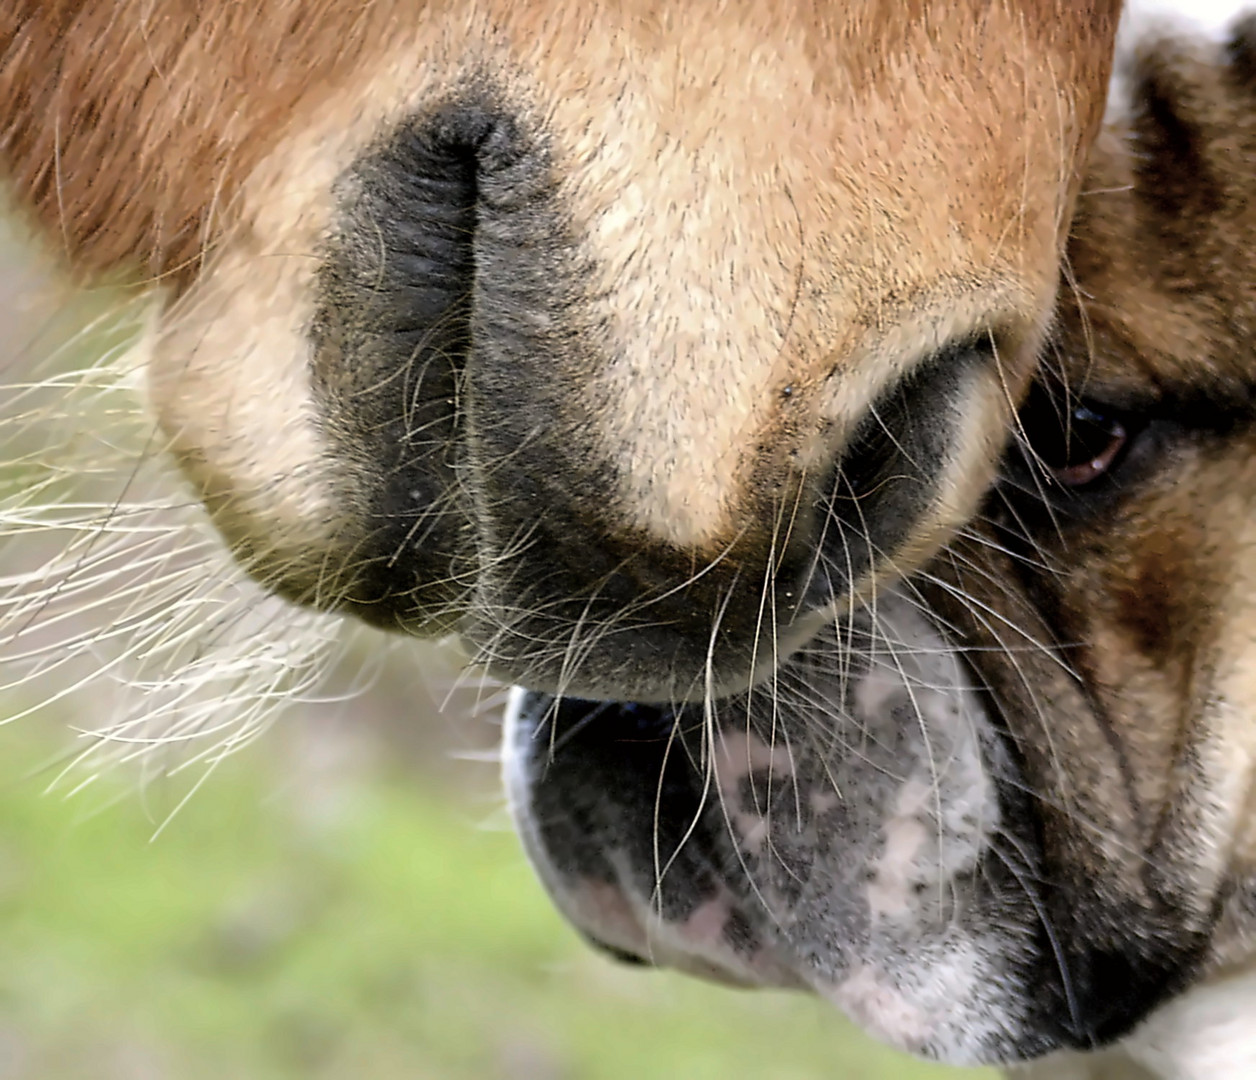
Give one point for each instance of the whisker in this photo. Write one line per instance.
(118, 597)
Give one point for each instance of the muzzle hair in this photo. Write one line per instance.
(118, 601)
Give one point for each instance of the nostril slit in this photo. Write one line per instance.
(420, 195)
(391, 339)
(434, 228)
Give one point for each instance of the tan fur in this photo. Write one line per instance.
(137, 156)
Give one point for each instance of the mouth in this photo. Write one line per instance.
(854, 826)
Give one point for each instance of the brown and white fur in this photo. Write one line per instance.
(846, 444)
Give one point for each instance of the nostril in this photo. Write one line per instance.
(409, 219)
(391, 339)
(892, 471)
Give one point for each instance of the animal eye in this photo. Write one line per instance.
(1076, 441)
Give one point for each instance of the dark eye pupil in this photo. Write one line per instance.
(1075, 442)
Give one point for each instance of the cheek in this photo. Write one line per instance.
(1145, 609)
(229, 384)
(1159, 596)
(1161, 571)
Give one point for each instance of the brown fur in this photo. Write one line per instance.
(130, 126)
(1156, 601)
(1164, 301)
(930, 280)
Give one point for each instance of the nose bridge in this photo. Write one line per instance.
(698, 314)
(697, 251)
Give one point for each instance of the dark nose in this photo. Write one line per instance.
(452, 362)
(391, 338)
(456, 370)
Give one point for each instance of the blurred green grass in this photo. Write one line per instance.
(393, 936)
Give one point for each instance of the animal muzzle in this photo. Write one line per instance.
(453, 349)
(855, 832)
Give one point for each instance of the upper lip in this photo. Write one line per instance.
(631, 679)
